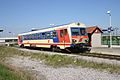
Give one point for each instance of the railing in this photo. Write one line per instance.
(105, 40)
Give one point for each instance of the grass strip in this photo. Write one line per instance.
(8, 74)
(66, 61)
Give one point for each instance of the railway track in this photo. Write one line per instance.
(97, 55)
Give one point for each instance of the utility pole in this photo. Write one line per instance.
(110, 29)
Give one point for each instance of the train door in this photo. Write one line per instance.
(19, 39)
(63, 36)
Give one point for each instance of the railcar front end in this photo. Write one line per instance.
(79, 40)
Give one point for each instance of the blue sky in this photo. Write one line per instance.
(17, 16)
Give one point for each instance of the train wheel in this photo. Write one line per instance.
(22, 46)
(87, 51)
(53, 49)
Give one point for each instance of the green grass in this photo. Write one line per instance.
(12, 73)
(9, 52)
(8, 72)
(54, 60)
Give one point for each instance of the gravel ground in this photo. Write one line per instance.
(93, 59)
(44, 72)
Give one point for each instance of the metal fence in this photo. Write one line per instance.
(105, 40)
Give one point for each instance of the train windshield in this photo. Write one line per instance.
(82, 31)
(78, 31)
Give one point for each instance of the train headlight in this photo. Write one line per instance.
(86, 41)
(74, 41)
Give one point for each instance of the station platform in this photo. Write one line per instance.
(106, 50)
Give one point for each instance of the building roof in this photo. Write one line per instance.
(92, 29)
(8, 38)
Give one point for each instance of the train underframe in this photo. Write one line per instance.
(80, 47)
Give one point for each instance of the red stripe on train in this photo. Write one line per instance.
(79, 36)
(47, 44)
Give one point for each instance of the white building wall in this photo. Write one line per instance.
(96, 40)
(2, 41)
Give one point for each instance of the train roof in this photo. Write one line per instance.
(77, 24)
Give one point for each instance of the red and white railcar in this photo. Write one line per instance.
(70, 37)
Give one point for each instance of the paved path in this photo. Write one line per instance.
(105, 50)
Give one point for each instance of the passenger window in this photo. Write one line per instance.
(24, 38)
(48, 35)
(63, 32)
(54, 34)
(27, 37)
(43, 35)
(30, 36)
(38, 35)
(33, 36)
